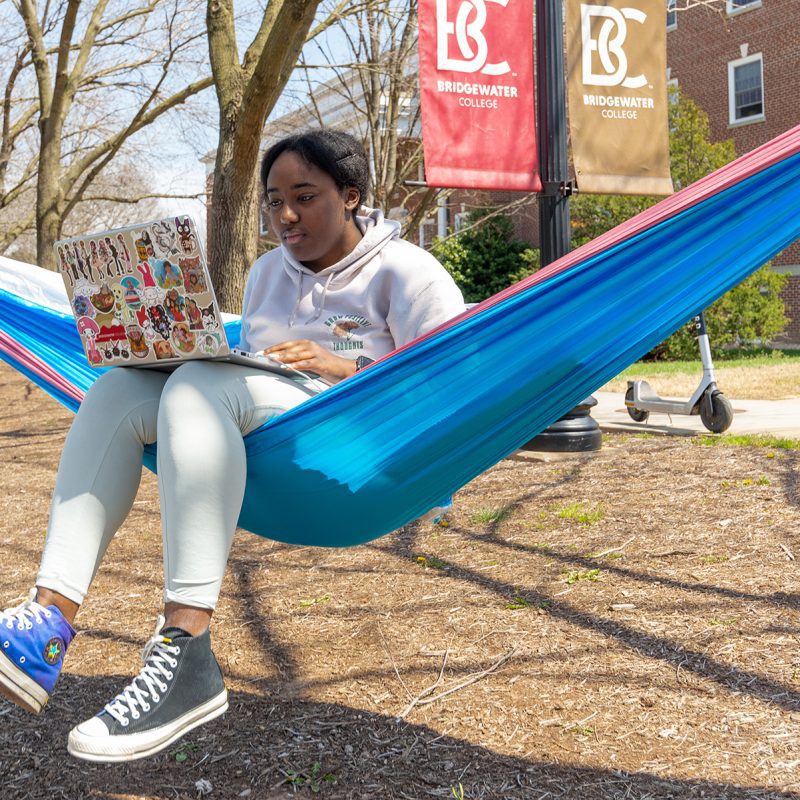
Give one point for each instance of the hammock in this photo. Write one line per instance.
(381, 448)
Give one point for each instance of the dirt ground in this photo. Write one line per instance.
(623, 624)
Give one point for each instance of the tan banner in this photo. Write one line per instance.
(617, 82)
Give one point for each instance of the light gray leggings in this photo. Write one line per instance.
(199, 414)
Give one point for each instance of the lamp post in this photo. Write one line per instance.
(554, 230)
(575, 431)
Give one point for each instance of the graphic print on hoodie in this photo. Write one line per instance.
(383, 294)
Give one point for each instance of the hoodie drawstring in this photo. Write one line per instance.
(293, 315)
(321, 307)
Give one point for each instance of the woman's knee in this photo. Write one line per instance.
(120, 389)
(123, 397)
(192, 388)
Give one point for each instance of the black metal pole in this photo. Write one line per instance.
(554, 228)
(576, 431)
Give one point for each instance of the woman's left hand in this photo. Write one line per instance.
(308, 356)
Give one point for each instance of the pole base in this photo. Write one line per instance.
(575, 432)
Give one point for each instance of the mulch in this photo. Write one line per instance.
(622, 624)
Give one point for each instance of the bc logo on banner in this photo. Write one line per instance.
(617, 89)
(469, 37)
(476, 94)
(607, 47)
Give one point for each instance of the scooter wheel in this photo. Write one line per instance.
(635, 414)
(716, 412)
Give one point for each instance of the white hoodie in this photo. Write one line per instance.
(385, 293)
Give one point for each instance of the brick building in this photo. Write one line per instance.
(739, 60)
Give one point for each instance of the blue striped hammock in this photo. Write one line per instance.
(381, 448)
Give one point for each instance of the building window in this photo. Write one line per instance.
(673, 91)
(672, 15)
(403, 115)
(746, 89)
(735, 6)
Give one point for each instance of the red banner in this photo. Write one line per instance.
(476, 87)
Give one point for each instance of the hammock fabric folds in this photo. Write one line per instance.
(382, 447)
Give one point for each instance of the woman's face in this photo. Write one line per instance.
(310, 215)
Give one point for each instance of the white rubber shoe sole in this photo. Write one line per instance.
(21, 689)
(91, 740)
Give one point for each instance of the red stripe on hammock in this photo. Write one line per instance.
(32, 362)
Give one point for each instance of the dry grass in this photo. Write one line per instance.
(779, 381)
(647, 598)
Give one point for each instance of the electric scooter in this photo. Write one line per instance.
(708, 401)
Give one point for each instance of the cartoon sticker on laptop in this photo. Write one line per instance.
(183, 338)
(137, 341)
(187, 238)
(167, 274)
(89, 330)
(209, 344)
(164, 239)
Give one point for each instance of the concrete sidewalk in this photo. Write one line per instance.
(771, 417)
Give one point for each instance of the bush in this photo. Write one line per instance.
(749, 313)
(485, 258)
(747, 316)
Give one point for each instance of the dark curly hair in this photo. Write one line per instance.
(337, 153)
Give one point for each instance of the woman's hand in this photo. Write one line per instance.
(308, 356)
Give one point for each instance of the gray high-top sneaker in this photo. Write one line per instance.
(179, 687)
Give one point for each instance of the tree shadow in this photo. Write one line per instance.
(270, 748)
(645, 644)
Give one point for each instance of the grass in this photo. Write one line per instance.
(759, 375)
(749, 440)
(587, 575)
(762, 357)
(580, 513)
(430, 562)
(490, 514)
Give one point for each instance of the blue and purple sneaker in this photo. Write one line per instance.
(33, 641)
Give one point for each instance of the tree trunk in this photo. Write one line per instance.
(48, 193)
(246, 94)
(232, 236)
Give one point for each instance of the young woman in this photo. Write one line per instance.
(340, 291)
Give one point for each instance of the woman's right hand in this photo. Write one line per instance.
(308, 356)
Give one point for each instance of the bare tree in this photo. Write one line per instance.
(247, 90)
(17, 121)
(103, 72)
(374, 92)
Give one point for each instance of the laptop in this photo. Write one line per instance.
(142, 296)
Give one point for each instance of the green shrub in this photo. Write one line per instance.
(485, 258)
(749, 314)
(752, 312)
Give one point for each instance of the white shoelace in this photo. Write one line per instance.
(25, 613)
(158, 663)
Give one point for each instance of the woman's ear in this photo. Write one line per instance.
(352, 198)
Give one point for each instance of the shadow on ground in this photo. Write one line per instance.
(296, 748)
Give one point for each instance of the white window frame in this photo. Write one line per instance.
(427, 233)
(740, 62)
(672, 8)
(672, 97)
(403, 115)
(732, 9)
